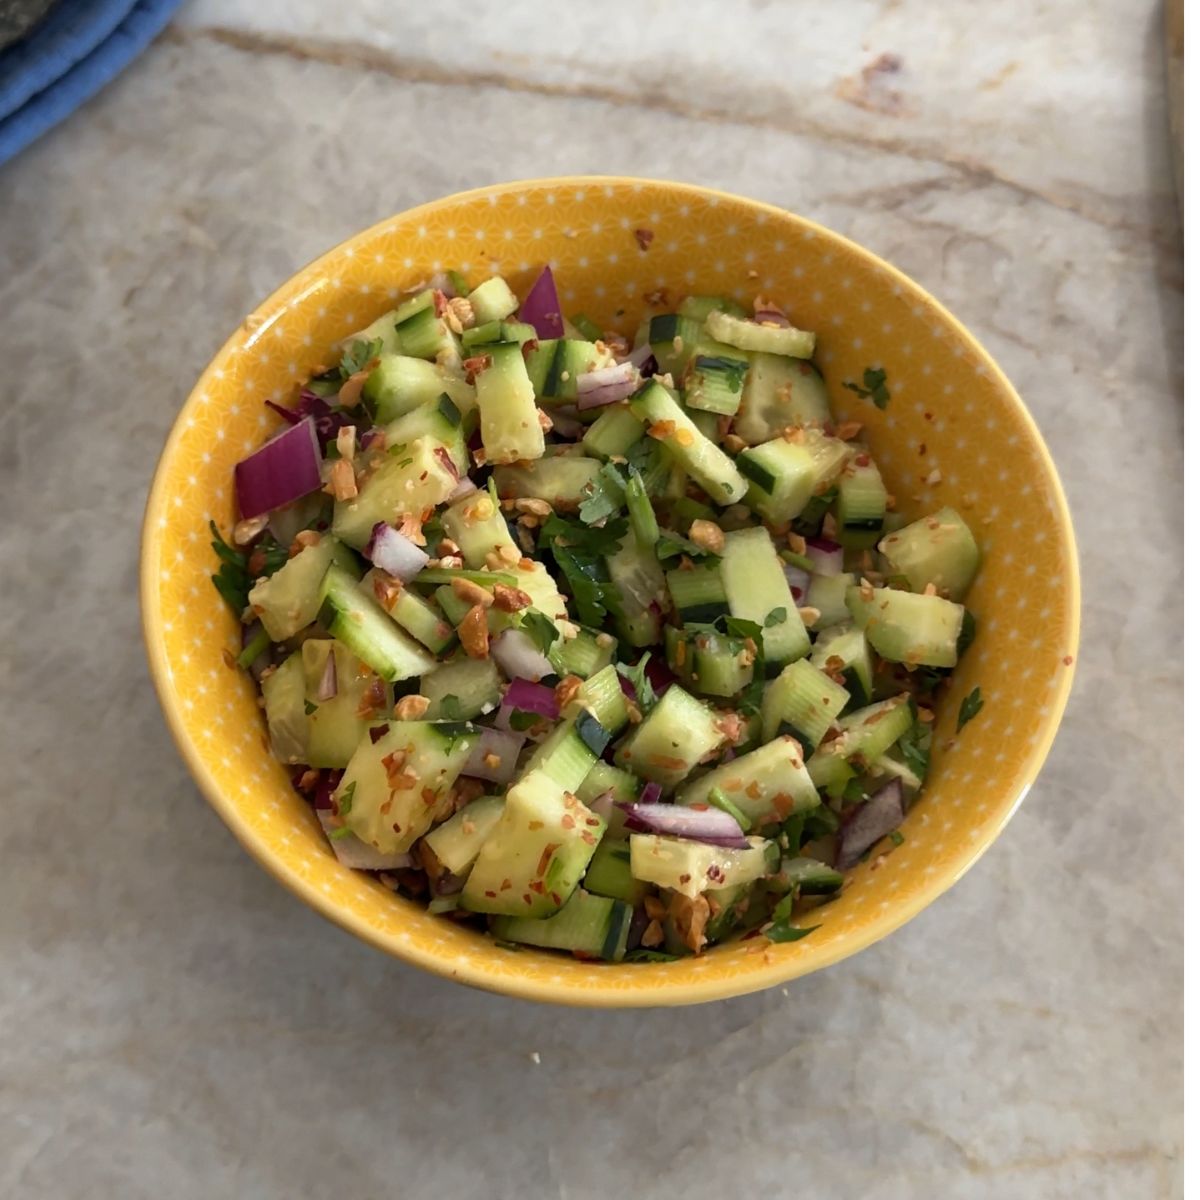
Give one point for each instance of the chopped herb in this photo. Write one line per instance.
(966, 635)
(538, 627)
(914, 754)
(605, 539)
(342, 831)
(450, 708)
(644, 954)
(896, 837)
(854, 792)
(357, 355)
(642, 687)
(501, 944)
(346, 799)
(520, 721)
(969, 709)
(873, 387)
(672, 545)
(258, 645)
(232, 579)
(718, 799)
(309, 708)
(604, 496)
(776, 616)
(788, 933)
(459, 282)
(820, 822)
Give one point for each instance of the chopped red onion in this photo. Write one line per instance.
(650, 793)
(541, 308)
(771, 316)
(390, 550)
(608, 385)
(603, 805)
(354, 852)
(640, 356)
(566, 423)
(518, 657)
(322, 797)
(531, 697)
(443, 456)
(827, 557)
(464, 487)
(284, 523)
(328, 687)
(875, 818)
(798, 580)
(310, 404)
(283, 470)
(710, 825)
(494, 743)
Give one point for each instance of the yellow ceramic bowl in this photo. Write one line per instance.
(954, 433)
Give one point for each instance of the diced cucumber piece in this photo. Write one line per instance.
(336, 725)
(757, 588)
(560, 481)
(697, 308)
(539, 362)
(937, 549)
(896, 768)
(641, 512)
(413, 329)
(780, 393)
(827, 594)
(571, 751)
(584, 654)
(478, 527)
(698, 594)
(452, 604)
(706, 463)
(803, 702)
(601, 696)
(785, 473)
(287, 724)
(610, 874)
(720, 666)
(410, 610)
(288, 600)
(456, 842)
(674, 340)
(695, 867)
(643, 591)
(613, 432)
(830, 771)
(861, 505)
(393, 788)
(748, 335)
(679, 733)
(587, 925)
(714, 384)
(462, 688)
(908, 627)
(493, 300)
(408, 480)
(439, 420)
(537, 853)
(728, 906)
(497, 331)
(604, 777)
(810, 875)
(357, 621)
(843, 650)
(587, 327)
(574, 357)
(508, 414)
(768, 784)
(400, 384)
(870, 731)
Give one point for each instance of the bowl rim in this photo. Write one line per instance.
(534, 987)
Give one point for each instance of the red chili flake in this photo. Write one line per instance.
(568, 821)
(863, 460)
(713, 872)
(781, 804)
(538, 886)
(476, 363)
(506, 885)
(527, 348)
(644, 238)
(428, 794)
(684, 878)
(439, 303)
(527, 898)
(1070, 658)
(921, 449)
(544, 861)
(928, 416)
(556, 898)
(490, 894)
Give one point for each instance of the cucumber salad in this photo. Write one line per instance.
(613, 648)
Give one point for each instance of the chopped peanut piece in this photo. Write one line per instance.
(471, 592)
(809, 615)
(302, 540)
(459, 314)
(347, 441)
(708, 535)
(473, 632)
(411, 708)
(246, 531)
(351, 391)
(653, 934)
(797, 543)
(689, 917)
(565, 690)
(342, 484)
(510, 599)
(533, 507)
(544, 420)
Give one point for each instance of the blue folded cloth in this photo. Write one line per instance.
(65, 60)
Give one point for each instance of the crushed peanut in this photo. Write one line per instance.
(544, 421)
(471, 592)
(566, 689)
(302, 540)
(809, 615)
(934, 477)
(411, 708)
(351, 391)
(847, 431)
(246, 531)
(733, 443)
(347, 441)
(473, 632)
(653, 934)
(797, 543)
(342, 484)
(533, 507)
(708, 535)
(510, 599)
(459, 314)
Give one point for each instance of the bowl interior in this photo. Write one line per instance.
(954, 433)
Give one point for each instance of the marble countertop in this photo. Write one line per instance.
(174, 1024)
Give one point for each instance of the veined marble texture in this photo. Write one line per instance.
(175, 1025)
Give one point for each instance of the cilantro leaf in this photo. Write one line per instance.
(357, 355)
(604, 496)
(896, 838)
(643, 954)
(776, 616)
(966, 635)
(449, 708)
(642, 687)
(873, 387)
(342, 831)
(788, 933)
(538, 627)
(913, 752)
(595, 541)
(673, 545)
(346, 799)
(969, 709)
(309, 708)
(232, 579)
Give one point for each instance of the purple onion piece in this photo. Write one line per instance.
(284, 469)
(518, 657)
(497, 744)
(608, 385)
(531, 697)
(328, 687)
(392, 552)
(353, 852)
(875, 818)
(709, 825)
(827, 557)
(541, 308)
(650, 793)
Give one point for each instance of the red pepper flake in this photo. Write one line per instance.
(490, 894)
(538, 886)
(536, 825)
(506, 885)
(475, 364)
(556, 898)
(781, 804)
(644, 238)
(439, 303)
(1070, 658)
(684, 878)
(568, 821)
(544, 861)
(527, 898)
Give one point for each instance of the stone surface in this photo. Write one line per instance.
(175, 1024)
